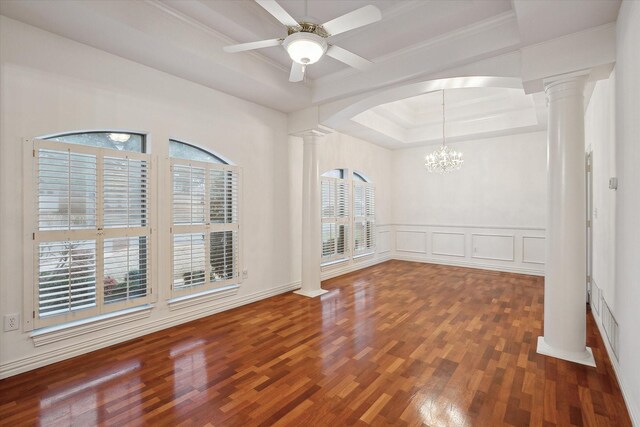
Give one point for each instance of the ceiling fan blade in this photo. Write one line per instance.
(297, 72)
(278, 12)
(349, 58)
(352, 20)
(252, 45)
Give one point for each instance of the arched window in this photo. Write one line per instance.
(335, 173)
(357, 176)
(205, 217)
(92, 225)
(121, 141)
(182, 150)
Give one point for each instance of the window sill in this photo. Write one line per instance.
(201, 297)
(51, 334)
(368, 254)
(329, 264)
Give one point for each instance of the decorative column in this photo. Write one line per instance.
(311, 221)
(565, 265)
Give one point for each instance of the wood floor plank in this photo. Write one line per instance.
(400, 343)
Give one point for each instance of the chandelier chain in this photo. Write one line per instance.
(443, 117)
(443, 160)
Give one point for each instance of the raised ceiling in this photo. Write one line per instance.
(470, 113)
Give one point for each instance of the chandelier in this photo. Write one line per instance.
(443, 160)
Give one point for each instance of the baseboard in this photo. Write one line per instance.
(338, 269)
(479, 266)
(634, 412)
(42, 359)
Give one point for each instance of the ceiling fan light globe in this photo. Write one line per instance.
(305, 48)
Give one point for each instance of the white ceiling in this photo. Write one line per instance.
(416, 41)
(404, 23)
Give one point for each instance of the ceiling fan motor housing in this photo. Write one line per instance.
(305, 48)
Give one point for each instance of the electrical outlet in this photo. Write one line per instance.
(245, 274)
(11, 322)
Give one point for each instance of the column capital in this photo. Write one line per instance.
(307, 123)
(317, 131)
(565, 85)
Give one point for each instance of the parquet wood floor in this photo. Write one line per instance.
(396, 344)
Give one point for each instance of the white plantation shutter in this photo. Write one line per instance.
(223, 255)
(66, 189)
(125, 192)
(125, 269)
(363, 218)
(66, 276)
(206, 228)
(92, 231)
(335, 219)
(189, 260)
(188, 194)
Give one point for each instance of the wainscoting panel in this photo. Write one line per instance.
(533, 249)
(595, 297)
(411, 241)
(493, 246)
(610, 325)
(449, 244)
(501, 248)
(383, 244)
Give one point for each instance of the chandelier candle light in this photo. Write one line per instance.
(443, 160)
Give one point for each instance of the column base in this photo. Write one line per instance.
(584, 358)
(311, 294)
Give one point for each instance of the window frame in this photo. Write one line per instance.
(337, 219)
(352, 180)
(206, 228)
(368, 218)
(97, 233)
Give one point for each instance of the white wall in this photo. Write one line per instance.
(627, 273)
(50, 84)
(489, 214)
(612, 128)
(600, 141)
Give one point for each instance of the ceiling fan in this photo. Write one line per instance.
(306, 42)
